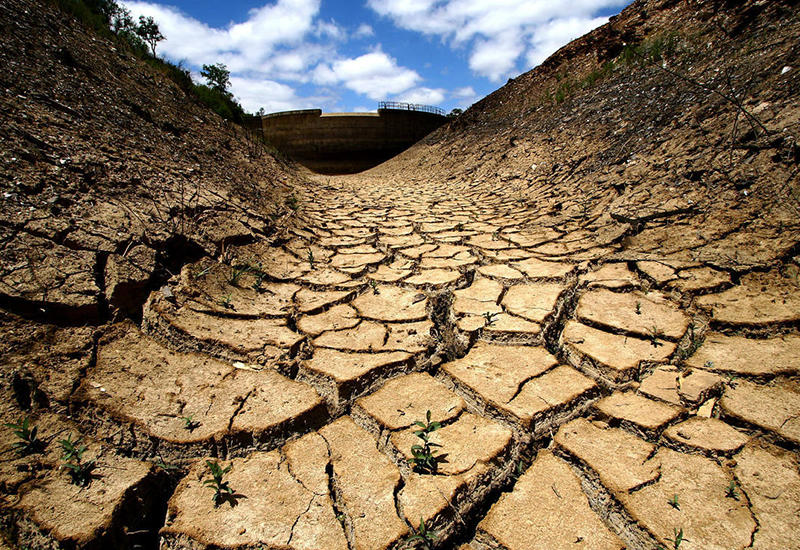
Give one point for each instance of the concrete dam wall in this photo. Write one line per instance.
(345, 143)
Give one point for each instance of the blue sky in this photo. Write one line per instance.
(347, 55)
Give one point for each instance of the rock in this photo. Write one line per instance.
(340, 377)
(300, 516)
(748, 356)
(390, 304)
(772, 407)
(649, 315)
(534, 302)
(614, 358)
(621, 460)
(760, 299)
(769, 477)
(709, 519)
(546, 509)
(127, 277)
(636, 410)
(706, 434)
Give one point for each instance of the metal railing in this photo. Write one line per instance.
(397, 106)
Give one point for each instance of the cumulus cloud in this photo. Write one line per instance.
(364, 31)
(242, 45)
(464, 96)
(499, 33)
(277, 41)
(497, 56)
(282, 43)
(254, 93)
(550, 37)
(375, 75)
(427, 96)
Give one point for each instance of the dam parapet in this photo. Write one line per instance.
(344, 143)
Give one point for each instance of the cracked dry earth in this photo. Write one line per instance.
(584, 402)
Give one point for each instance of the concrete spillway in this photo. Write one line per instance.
(344, 143)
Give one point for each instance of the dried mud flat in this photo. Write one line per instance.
(584, 402)
(610, 341)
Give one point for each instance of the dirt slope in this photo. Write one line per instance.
(104, 158)
(702, 135)
(568, 320)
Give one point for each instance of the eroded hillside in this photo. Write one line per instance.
(678, 119)
(111, 174)
(567, 320)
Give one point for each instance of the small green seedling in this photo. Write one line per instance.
(72, 450)
(519, 469)
(202, 273)
(374, 285)
(222, 489)
(677, 538)
(292, 202)
(226, 302)
(490, 317)
(731, 492)
(638, 308)
(311, 258)
(189, 423)
(654, 335)
(72, 460)
(260, 276)
(425, 460)
(674, 502)
(166, 467)
(81, 472)
(29, 441)
(423, 534)
(236, 273)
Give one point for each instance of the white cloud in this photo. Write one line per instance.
(269, 54)
(465, 96)
(375, 75)
(330, 29)
(241, 45)
(498, 32)
(549, 38)
(272, 96)
(364, 31)
(496, 57)
(427, 96)
(465, 92)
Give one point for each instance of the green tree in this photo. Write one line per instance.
(218, 77)
(149, 32)
(123, 25)
(454, 113)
